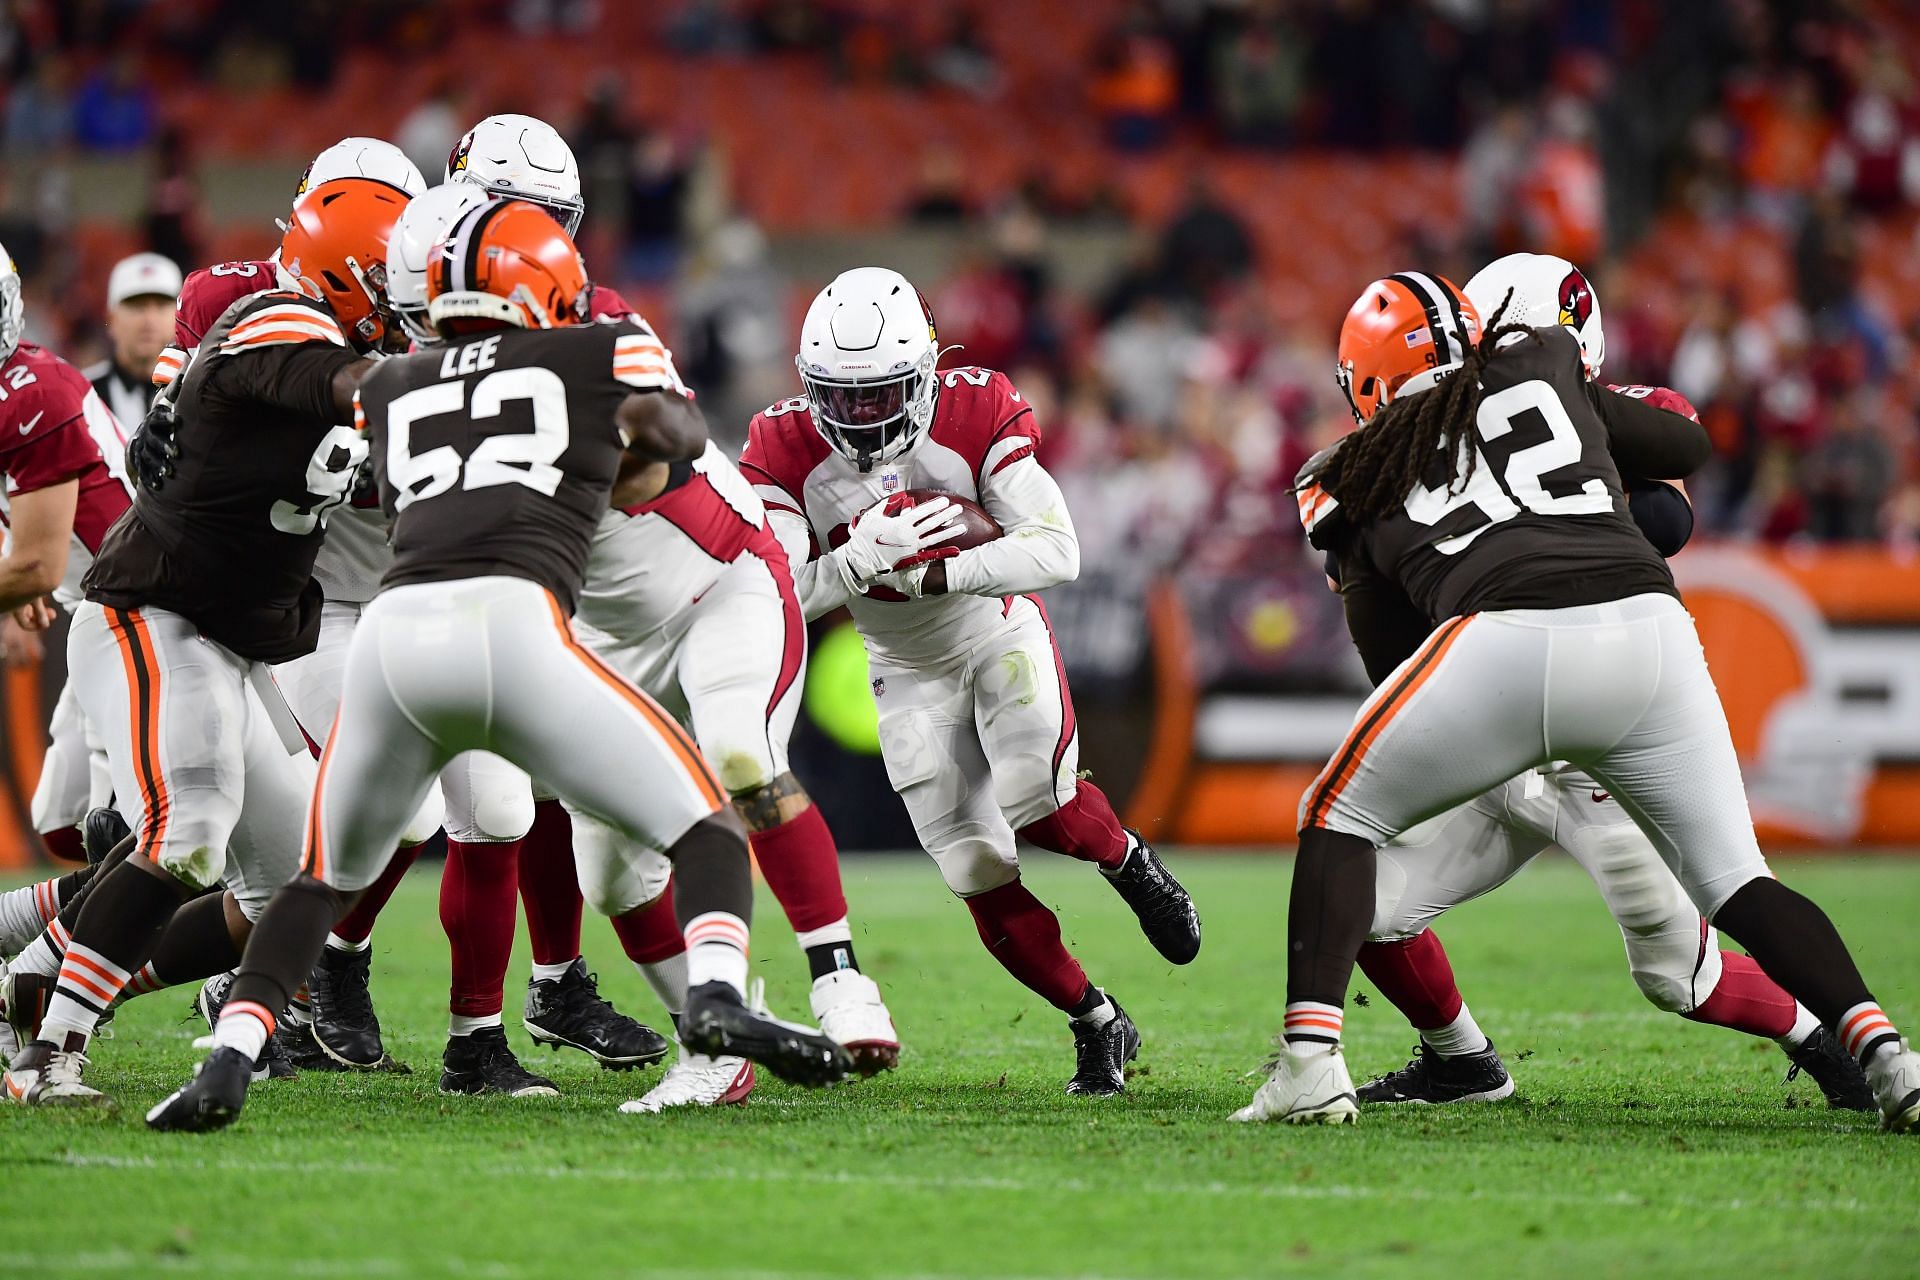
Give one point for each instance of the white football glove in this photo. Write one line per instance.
(877, 541)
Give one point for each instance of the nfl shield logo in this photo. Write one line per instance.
(879, 686)
(889, 482)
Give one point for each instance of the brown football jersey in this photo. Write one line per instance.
(229, 542)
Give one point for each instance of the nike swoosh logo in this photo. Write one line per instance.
(30, 423)
(1601, 797)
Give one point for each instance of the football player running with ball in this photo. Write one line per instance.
(976, 724)
(495, 457)
(1482, 491)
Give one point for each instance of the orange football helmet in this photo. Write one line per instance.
(1406, 333)
(506, 263)
(335, 251)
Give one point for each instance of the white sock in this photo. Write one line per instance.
(1313, 1028)
(826, 935)
(244, 1026)
(41, 956)
(1804, 1025)
(337, 943)
(717, 950)
(668, 978)
(551, 972)
(1461, 1036)
(1100, 1017)
(460, 1025)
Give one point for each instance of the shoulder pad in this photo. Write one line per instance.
(981, 415)
(1318, 508)
(276, 318)
(41, 390)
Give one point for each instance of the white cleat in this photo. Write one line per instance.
(1895, 1074)
(1304, 1089)
(848, 1007)
(696, 1081)
(43, 1076)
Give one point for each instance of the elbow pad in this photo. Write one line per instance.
(1663, 513)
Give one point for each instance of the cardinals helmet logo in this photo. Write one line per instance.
(1576, 299)
(457, 162)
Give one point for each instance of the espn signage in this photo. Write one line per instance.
(1816, 653)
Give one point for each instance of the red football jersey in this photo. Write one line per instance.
(54, 427)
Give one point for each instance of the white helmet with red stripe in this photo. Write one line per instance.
(13, 311)
(1545, 292)
(867, 352)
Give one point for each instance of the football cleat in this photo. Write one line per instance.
(344, 1023)
(847, 1005)
(483, 1062)
(1304, 1089)
(211, 1100)
(100, 831)
(1166, 911)
(719, 1023)
(1101, 1055)
(43, 1076)
(569, 1011)
(1833, 1069)
(1437, 1079)
(276, 1061)
(303, 1052)
(1895, 1073)
(696, 1081)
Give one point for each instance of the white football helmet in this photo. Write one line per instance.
(13, 312)
(522, 158)
(867, 351)
(423, 224)
(1547, 291)
(362, 158)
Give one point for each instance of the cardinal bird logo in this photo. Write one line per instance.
(1576, 299)
(457, 162)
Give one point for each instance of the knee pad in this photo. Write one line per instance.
(1026, 788)
(1665, 971)
(975, 860)
(616, 874)
(1640, 891)
(495, 813)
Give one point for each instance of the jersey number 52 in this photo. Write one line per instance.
(515, 458)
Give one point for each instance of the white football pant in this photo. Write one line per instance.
(74, 776)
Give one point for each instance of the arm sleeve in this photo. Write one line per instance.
(296, 377)
(1650, 441)
(1038, 548)
(1663, 513)
(815, 581)
(1385, 625)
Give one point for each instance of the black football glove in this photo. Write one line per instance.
(154, 447)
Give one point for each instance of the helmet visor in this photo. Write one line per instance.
(863, 419)
(565, 212)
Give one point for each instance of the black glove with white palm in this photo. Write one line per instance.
(890, 532)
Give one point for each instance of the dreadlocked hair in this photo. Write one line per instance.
(1379, 465)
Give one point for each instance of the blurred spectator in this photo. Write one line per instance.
(961, 58)
(656, 207)
(114, 108)
(1562, 193)
(735, 348)
(1848, 475)
(1136, 83)
(40, 109)
(1259, 75)
(1494, 169)
(429, 132)
(1144, 357)
(1875, 158)
(172, 221)
(1205, 245)
(941, 198)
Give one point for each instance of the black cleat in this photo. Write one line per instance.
(344, 1023)
(303, 1052)
(275, 1061)
(211, 1100)
(483, 1062)
(1101, 1055)
(1834, 1070)
(1166, 912)
(1433, 1079)
(569, 1011)
(100, 831)
(719, 1024)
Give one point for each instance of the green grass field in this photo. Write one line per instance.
(1639, 1145)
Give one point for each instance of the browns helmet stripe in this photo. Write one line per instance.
(1444, 320)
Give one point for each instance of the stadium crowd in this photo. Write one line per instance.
(1739, 225)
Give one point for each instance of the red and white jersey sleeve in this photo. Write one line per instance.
(982, 435)
(54, 427)
(1660, 398)
(204, 298)
(648, 562)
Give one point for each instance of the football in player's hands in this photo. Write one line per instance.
(976, 526)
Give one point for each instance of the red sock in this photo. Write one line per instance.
(1085, 827)
(477, 910)
(1746, 999)
(549, 888)
(357, 925)
(802, 867)
(651, 933)
(1416, 977)
(1025, 938)
(64, 843)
